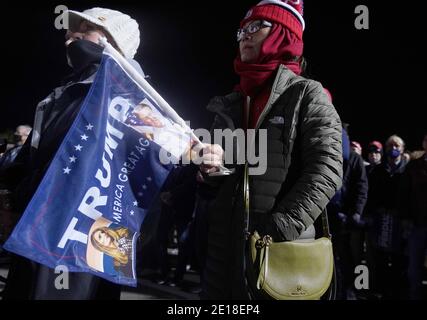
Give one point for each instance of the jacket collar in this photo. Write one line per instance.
(230, 106)
(284, 79)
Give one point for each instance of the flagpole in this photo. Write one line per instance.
(139, 79)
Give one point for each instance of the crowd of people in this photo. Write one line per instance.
(378, 219)
(376, 208)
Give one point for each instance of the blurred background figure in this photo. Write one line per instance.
(375, 154)
(176, 224)
(414, 209)
(20, 135)
(386, 240)
(8, 153)
(3, 146)
(407, 156)
(356, 147)
(345, 212)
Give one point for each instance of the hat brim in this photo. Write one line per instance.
(75, 18)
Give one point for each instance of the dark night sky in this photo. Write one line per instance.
(188, 48)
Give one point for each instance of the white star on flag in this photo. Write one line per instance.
(72, 159)
(78, 147)
(149, 179)
(89, 127)
(135, 203)
(132, 212)
(144, 187)
(84, 137)
(66, 170)
(140, 194)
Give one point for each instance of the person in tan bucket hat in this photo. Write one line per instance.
(54, 116)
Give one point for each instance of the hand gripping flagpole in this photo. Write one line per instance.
(166, 108)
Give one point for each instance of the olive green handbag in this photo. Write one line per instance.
(290, 270)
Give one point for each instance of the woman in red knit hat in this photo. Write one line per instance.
(304, 160)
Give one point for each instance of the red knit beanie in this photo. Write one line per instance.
(288, 13)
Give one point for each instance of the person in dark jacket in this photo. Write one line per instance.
(345, 213)
(413, 207)
(302, 132)
(375, 154)
(21, 134)
(386, 263)
(54, 116)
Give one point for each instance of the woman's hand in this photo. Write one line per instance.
(212, 159)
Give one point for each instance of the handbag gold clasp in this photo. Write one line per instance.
(264, 242)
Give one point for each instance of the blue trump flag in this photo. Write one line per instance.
(87, 212)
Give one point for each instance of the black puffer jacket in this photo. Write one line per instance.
(304, 170)
(351, 198)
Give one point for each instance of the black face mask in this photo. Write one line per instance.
(82, 53)
(16, 138)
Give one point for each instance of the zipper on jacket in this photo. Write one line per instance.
(269, 102)
(246, 172)
(246, 199)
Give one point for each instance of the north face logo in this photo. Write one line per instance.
(277, 120)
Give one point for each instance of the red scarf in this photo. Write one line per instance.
(278, 48)
(257, 106)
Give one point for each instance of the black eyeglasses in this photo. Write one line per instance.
(252, 28)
